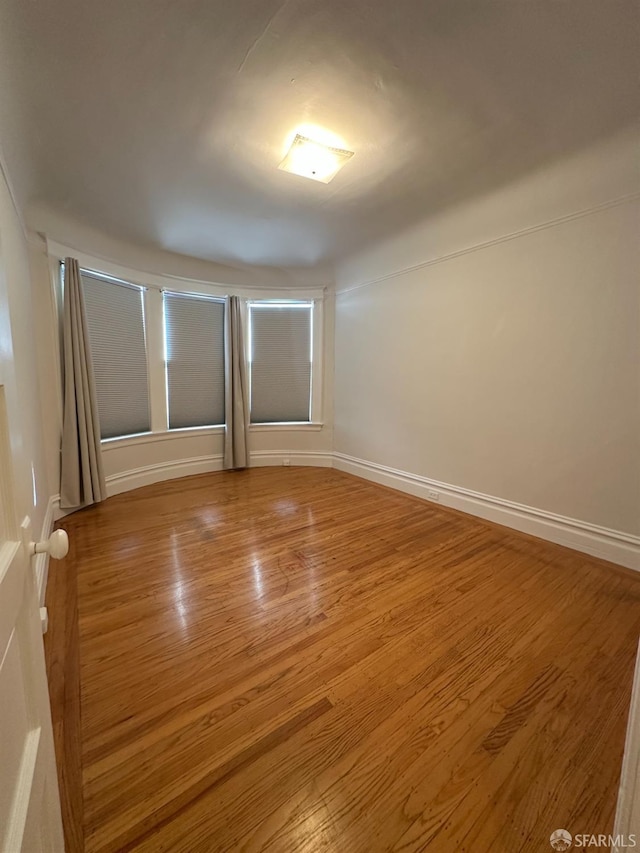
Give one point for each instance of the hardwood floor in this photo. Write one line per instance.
(299, 660)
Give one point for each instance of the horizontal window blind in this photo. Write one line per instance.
(280, 362)
(194, 341)
(115, 318)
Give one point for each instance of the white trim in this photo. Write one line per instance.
(41, 561)
(304, 458)
(196, 432)
(288, 426)
(317, 361)
(178, 284)
(613, 545)
(108, 444)
(148, 474)
(627, 820)
(57, 512)
(155, 352)
(513, 235)
(316, 413)
(135, 478)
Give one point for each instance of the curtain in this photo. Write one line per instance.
(81, 475)
(236, 444)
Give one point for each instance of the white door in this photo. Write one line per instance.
(29, 801)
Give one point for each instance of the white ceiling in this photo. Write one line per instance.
(163, 122)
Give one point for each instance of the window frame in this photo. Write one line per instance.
(165, 361)
(142, 290)
(316, 364)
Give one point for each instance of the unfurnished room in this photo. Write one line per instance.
(319, 426)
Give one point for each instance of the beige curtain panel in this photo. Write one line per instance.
(236, 444)
(81, 477)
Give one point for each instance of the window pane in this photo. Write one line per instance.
(194, 341)
(280, 362)
(115, 318)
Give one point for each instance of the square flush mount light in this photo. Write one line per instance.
(313, 160)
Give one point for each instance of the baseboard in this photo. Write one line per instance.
(135, 478)
(613, 545)
(616, 546)
(41, 561)
(627, 820)
(149, 474)
(308, 458)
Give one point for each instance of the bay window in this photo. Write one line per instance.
(159, 358)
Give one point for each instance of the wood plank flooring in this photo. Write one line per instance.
(295, 660)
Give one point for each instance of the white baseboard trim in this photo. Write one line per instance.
(627, 820)
(149, 474)
(613, 545)
(137, 477)
(616, 546)
(41, 561)
(308, 458)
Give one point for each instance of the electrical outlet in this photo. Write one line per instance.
(433, 496)
(286, 462)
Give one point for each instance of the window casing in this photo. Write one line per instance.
(194, 360)
(280, 359)
(116, 323)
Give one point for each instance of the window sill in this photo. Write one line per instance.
(195, 432)
(306, 426)
(151, 437)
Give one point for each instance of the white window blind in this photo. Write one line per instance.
(115, 318)
(280, 359)
(194, 345)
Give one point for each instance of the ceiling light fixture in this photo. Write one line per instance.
(313, 160)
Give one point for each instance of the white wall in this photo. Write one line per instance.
(47, 337)
(19, 366)
(497, 347)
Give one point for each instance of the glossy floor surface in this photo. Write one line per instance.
(297, 660)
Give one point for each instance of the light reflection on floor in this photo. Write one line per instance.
(179, 588)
